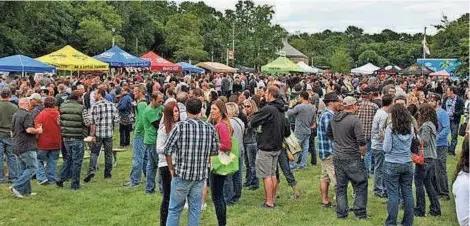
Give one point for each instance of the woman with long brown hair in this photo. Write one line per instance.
(171, 116)
(398, 168)
(427, 121)
(219, 117)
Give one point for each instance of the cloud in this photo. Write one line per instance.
(371, 15)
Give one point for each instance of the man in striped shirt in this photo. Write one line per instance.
(325, 147)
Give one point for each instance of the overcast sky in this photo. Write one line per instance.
(372, 16)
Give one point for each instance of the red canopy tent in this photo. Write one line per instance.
(158, 63)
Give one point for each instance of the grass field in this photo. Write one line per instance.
(107, 202)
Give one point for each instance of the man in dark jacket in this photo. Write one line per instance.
(454, 106)
(348, 150)
(72, 126)
(271, 119)
(125, 117)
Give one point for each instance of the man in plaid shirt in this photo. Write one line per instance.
(367, 110)
(191, 141)
(325, 147)
(103, 116)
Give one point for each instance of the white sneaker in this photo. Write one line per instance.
(43, 182)
(33, 194)
(186, 206)
(16, 193)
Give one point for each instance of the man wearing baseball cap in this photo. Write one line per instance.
(349, 150)
(35, 103)
(441, 185)
(325, 147)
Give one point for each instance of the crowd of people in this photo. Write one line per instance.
(354, 126)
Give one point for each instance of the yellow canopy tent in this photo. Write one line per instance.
(70, 59)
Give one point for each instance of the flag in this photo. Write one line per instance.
(425, 46)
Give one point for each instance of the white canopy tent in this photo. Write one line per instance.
(366, 69)
(307, 68)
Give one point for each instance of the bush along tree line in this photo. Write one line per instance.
(197, 32)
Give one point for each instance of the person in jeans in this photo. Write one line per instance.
(378, 128)
(348, 150)
(139, 157)
(283, 162)
(152, 116)
(441, 185)
(191, 142)
(72, 127)
(125, 117)
(304, 114)
(454, 106)
(103, 116)
(249, 140)
(325, 147)
(397, 166)
(424, 173)
(8, 109)
(224, 129)
(24, 146)
(367, 110)
(271, 120)
(233, 183)
(171, 116)
(49, 142)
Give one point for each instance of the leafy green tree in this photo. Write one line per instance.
(182, 34)
(370, 56)
(341, 61)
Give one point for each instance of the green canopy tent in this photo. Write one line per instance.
(281, 65)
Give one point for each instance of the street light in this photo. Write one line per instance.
(113, 30)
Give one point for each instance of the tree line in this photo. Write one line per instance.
(194, 31)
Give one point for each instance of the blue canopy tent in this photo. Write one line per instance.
(116, 57)
(23, 64)
(187, 67)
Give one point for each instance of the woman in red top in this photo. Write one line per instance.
(224, 129)
(49, 142)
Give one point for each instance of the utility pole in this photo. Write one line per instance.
(136, 45)
(233, 42)
(113, 30)
(228, 47)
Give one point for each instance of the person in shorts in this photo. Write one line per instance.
(271, 120)
(325, 147)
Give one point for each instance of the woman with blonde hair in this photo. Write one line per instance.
(233, 183)
(249, 143)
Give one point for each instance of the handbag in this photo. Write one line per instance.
(292, 146)
(418, 156)
(226, 163)
(463, 129)
(414, 143)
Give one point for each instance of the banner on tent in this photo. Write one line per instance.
(440, 64)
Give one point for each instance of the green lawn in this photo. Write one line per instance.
(107, 202)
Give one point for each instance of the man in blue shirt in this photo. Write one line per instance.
(441, 185)
(325, 147)
(454, 106)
